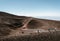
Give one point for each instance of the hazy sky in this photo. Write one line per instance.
(31, 7)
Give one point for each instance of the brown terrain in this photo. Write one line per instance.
(15, 26)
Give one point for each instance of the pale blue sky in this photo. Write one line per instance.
(31, 7)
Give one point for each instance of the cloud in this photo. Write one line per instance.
(48, 13)
(36, 13)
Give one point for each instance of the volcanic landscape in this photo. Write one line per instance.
(13, 26)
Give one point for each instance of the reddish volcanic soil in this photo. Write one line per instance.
(12, 25)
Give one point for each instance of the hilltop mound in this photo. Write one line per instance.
(9, 21)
